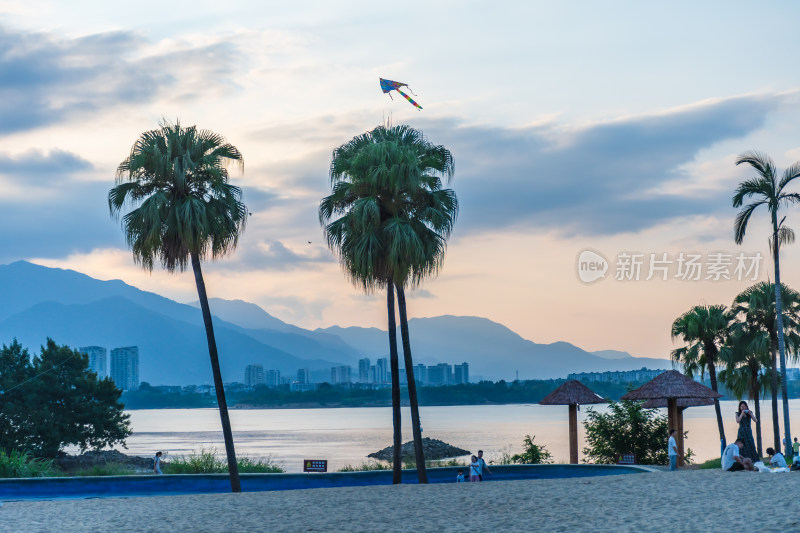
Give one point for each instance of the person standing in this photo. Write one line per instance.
(672, 450)
(795, 450)
(474, 470)
(743, 418)
(157, 464)
(484, 466)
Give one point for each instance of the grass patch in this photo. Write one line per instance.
(710, 464)
(206, 462)
(23, 464)
(365, 467)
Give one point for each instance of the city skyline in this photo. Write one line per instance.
(626, 149)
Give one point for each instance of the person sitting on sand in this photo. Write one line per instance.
(460, 476)
(776, 459)
(474, 470)
(733, 461)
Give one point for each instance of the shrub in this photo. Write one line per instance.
(22, 464)
(105, 469)
(532, 454)
(627, 428)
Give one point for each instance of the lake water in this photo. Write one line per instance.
(345, 436)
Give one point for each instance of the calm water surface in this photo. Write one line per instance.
(345, 436)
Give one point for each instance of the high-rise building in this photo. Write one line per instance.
(461, 373)
(272, 378)
(441, 374)
(302, 375)
(125, 367)
(382, 370)
(341, 374)
(419, 374)
(254, 375)
(97, 360)
(363, 370)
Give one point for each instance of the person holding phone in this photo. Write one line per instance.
(743, 417)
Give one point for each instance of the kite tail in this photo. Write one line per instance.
(409, 99)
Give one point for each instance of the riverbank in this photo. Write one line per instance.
(683, 501)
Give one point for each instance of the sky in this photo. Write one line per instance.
(575, 126)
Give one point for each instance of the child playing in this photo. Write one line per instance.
(460, 476)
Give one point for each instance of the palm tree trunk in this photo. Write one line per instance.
(776, 426)
(419, 453)
(758, 424)
(397, 464)
(754, 386)
(233, 468)
(712, 374)
(787, 449)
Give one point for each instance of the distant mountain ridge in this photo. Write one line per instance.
(76, 309)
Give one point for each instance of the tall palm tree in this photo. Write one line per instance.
(745, 356)
(408, 217)
(359, 238)
(704, 329)
(769, 190)
(756, 306)
(182, 210)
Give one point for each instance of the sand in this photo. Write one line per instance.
(692, 500)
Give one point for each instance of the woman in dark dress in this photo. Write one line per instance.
(743, 417)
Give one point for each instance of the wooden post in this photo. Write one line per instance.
(573, 434)
(680, 435)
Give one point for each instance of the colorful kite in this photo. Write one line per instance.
(389, 85)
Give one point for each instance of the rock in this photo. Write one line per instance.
(434, 449)
(91, 458)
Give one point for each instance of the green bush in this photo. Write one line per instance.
(627, 428)
(248, 465)
(532, 454)
(22, 464)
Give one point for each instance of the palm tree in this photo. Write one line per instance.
(359, 238)
(408, 216)
(756, 306)
(745, 356)
(705, 330)
(183, 209)
(770, 191)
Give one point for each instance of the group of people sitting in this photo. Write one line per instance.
(742, 454)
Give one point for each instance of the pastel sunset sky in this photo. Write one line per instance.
(608, 126)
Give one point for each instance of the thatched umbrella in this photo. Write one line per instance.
(673, 386)
(572, 393)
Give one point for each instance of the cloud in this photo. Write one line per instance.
(275, 255)
(602, 178)
(37, 168)
(47, 79)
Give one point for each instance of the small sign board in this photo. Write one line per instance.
(315, 465)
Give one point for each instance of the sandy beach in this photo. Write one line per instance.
(694, 500)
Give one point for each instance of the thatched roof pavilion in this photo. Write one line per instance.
(572, 393)
(683, 403)
(671, 384)
(673, 387)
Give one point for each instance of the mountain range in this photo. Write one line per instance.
(75, 309)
